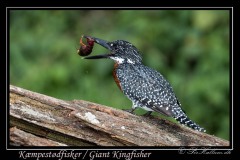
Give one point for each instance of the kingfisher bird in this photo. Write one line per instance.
(144, 86)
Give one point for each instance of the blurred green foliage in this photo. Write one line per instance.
(189, 47)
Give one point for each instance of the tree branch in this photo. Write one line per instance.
(53, 122)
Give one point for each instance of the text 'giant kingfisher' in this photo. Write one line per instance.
(144, 86)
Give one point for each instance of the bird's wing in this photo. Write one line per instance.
(148, 88)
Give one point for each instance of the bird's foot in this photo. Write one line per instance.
(147, 114)
(130, 111)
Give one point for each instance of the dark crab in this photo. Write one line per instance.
(86, 49)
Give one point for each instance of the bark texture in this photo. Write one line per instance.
(40, 120)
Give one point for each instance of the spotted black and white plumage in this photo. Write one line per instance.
(148, 89)
(144, 86)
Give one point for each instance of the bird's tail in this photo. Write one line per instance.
(183, 119)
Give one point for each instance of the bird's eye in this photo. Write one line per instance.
(114, 46)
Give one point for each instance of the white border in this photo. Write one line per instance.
(106, 147)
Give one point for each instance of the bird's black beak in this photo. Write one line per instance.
(101, 42)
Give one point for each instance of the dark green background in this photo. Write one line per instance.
(189, 47)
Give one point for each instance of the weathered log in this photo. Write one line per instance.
(82, 123)
(22, 138)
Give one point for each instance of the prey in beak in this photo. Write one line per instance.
(101, 42)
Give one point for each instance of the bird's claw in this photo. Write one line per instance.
(129, 110)
(147, 114)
